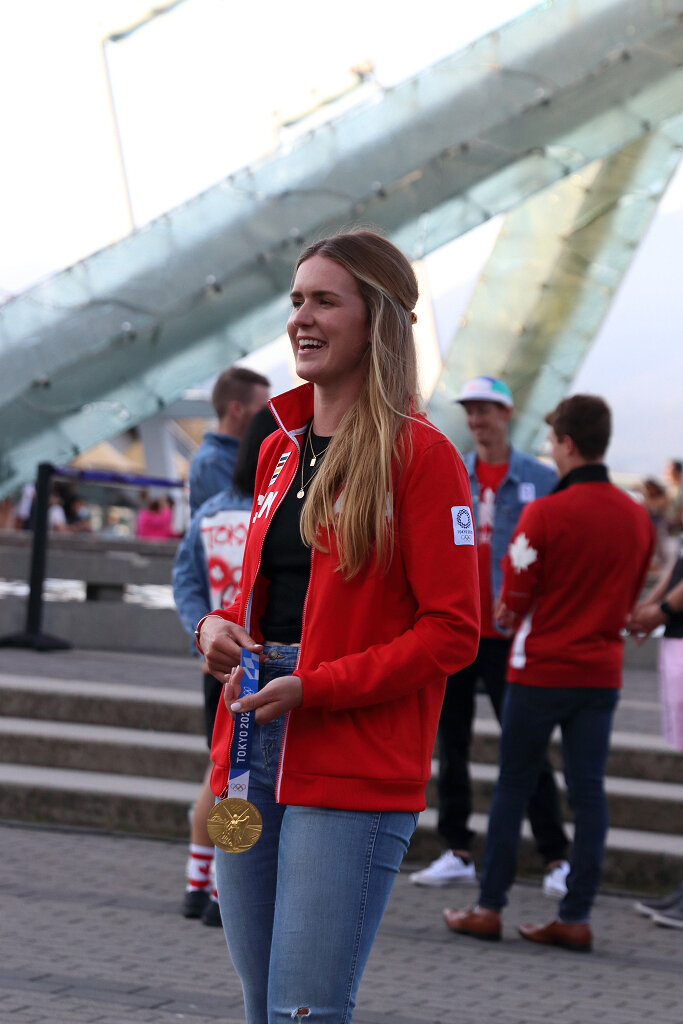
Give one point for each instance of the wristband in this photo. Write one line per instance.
(666, 609)
(198, 631)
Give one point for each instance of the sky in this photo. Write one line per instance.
(196, 94)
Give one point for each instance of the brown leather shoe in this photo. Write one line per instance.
(475, 921)
(556, 933)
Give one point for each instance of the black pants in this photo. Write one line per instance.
(455, 733)
(213, 691)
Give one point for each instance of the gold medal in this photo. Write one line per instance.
(234, 825)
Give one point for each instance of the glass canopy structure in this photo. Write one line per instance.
(569, 120)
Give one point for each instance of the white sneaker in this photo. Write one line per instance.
(555, 880)
(446, 869)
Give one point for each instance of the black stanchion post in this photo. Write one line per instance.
(34, 610)
(33, 637)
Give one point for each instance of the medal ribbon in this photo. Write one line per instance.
(243, 732)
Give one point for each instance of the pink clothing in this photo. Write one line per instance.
(155, 525)
(671, 683)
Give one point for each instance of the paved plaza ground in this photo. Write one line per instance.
(90, 932)
(90, 929)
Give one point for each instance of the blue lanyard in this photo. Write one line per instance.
(240, 749)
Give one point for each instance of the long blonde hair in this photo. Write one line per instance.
(360, 455)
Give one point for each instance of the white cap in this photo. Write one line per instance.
(486, 389)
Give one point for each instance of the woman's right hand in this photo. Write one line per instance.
(221, 643)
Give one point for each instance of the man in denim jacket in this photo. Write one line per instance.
(238, 394)
(503, 481)
(206, 575)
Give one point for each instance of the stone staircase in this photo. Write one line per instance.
(113, 756)
(125, 756)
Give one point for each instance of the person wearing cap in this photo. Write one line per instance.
(503, 482)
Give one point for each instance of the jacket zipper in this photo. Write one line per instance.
(247, 623)
(247, 617)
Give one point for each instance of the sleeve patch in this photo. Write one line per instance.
(521, 553)
(463, 529)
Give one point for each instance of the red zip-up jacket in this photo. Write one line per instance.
(376, 650)
(574, 568)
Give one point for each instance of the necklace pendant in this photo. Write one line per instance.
(313, 461)
(300, 493)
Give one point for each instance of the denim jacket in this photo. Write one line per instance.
(192, 592)
(212, 467)
(526, 479)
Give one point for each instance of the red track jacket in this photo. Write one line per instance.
(375, 651)
(575, 566)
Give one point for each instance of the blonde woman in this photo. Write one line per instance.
(360, 595)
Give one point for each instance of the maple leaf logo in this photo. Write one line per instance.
(522, 555)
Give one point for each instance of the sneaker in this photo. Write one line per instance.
(555, 881)
(648, 908)
(212, 915)
(671, 918)
(446, 869)
(194, 902)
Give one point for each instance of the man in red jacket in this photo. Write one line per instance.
(575, 566)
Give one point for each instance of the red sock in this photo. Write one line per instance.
(199, 868)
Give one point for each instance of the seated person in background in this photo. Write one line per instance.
(56, 517)
(80, 513)
(155, 521)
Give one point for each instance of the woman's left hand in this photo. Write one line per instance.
(275, 699)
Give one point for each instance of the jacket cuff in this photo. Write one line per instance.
(316, 685)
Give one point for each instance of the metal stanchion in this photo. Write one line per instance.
(33, 637)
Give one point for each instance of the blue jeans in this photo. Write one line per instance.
(301, 909)
(530, 714)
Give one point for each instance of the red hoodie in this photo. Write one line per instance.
(376, 650)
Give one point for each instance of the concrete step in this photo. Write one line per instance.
(632, 755)
(633, 803)
(117, 704)
(634, 860)
(104, 748)
(100, 800)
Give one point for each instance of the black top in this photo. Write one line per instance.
(285, 559)
(674, 627)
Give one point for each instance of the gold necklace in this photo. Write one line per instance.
(313, 453)
(302, 490)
